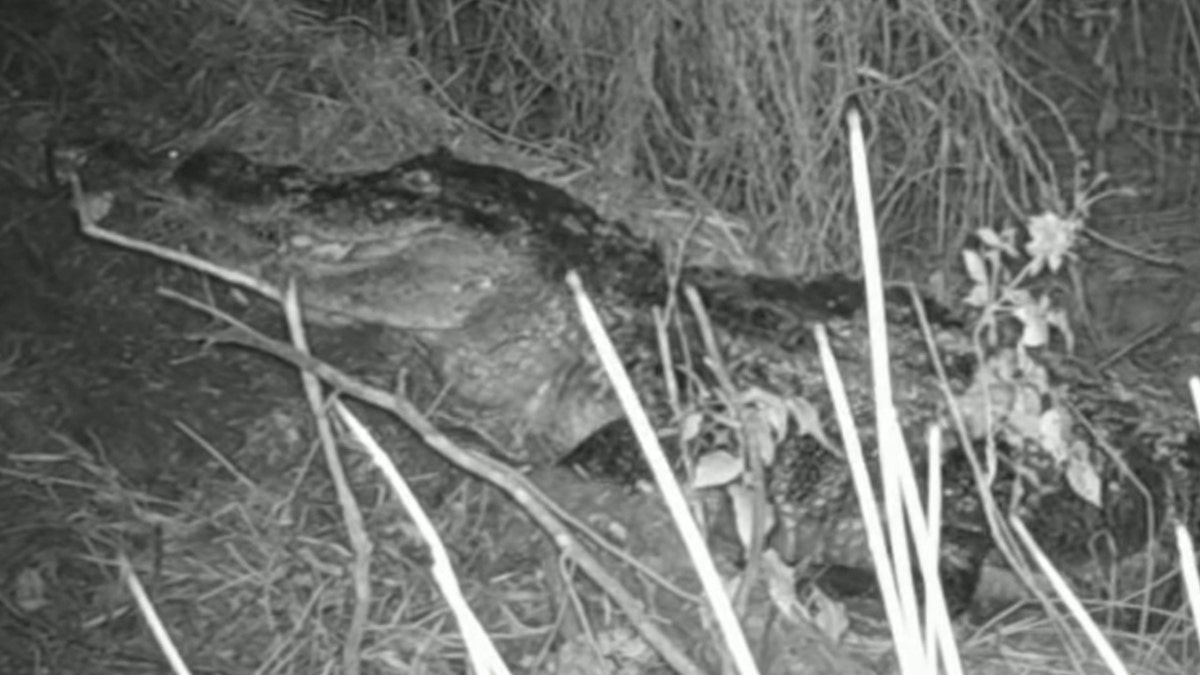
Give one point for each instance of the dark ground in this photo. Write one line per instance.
(97, 371)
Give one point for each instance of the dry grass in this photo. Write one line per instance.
(725, 108)
(253, 577)
(741, 106)
(734, 106)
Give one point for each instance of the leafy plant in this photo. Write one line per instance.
(1012, 397)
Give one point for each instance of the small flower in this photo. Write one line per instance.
(1051, 239)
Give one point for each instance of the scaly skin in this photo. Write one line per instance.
(470, 258)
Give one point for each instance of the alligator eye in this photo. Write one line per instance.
(420, 181)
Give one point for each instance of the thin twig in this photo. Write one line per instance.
(714, 591)
(485, 658)
(757, 487)
(360, 542)
(516, 485)
(161, 636)
(89, 227)
(508, 479)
